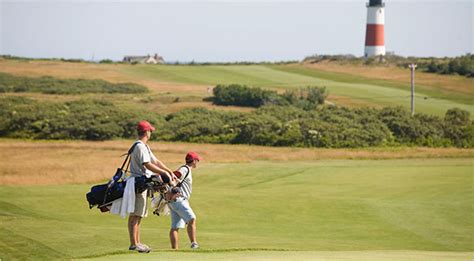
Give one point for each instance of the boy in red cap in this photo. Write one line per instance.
(143, 162)
(181, 212)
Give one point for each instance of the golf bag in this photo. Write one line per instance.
(102, 195)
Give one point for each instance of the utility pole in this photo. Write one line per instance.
(412, 69)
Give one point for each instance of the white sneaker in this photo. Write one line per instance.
(194, 245)
(140, 248)
(145, 247)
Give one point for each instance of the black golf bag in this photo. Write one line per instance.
(102, 195)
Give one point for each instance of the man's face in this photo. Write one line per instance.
(148, 134)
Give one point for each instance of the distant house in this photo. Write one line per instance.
(156, 59)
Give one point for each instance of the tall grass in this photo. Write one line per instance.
(83, 162)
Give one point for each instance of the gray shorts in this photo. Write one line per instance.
(181, 213)
(141, 208)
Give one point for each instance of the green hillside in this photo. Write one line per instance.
(371, 92)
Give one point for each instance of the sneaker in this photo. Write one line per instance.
(145, 246)
(140, 248)
(194, 245)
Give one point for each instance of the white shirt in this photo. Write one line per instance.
(141, 154)
(187, 186)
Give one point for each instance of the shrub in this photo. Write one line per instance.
(82, 119)
(459, 128)
(107, 61)
(240, 95)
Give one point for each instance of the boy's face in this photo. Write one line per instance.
(194, 164)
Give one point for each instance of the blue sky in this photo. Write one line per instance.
(228, 30)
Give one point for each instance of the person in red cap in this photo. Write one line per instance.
(181, 212)
(143, 162)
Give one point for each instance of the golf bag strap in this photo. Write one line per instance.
(127, 159)
(128, 156)
(181, 182)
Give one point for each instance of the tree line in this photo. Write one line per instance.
(462, 65)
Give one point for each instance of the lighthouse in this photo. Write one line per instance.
(374, 35)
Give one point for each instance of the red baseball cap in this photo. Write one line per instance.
(145, 126)
(192, 156)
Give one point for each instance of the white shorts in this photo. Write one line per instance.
(181, 213)
(141, 206)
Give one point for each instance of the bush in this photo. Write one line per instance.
(107, 61)
(459, 128)
(240, 95)
(83, 119)
(200, 125)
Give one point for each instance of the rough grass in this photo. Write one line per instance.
(388, 209)
(83, 162)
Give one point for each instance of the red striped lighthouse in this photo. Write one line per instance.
(374, 36)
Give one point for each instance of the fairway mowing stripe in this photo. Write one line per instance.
(273, 179)
(30, 246)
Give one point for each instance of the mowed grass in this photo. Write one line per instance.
(387, 209)
(362, 90)
(256, 254)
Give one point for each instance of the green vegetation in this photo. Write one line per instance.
(106, 61)
(306, 98)
(344, 205)
(50, 85)
(82, 119)
(462, 65)
(328, 126)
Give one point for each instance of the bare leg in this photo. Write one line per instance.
(192, 230)
(138, 230)
(133, 229)
(174, 237)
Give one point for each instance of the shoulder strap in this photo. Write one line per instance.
(119, 173)
(128, 154)
(181, 182)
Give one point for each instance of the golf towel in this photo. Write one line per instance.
(126, 204)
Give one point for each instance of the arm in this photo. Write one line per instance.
(163, 166)
(152, 167)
